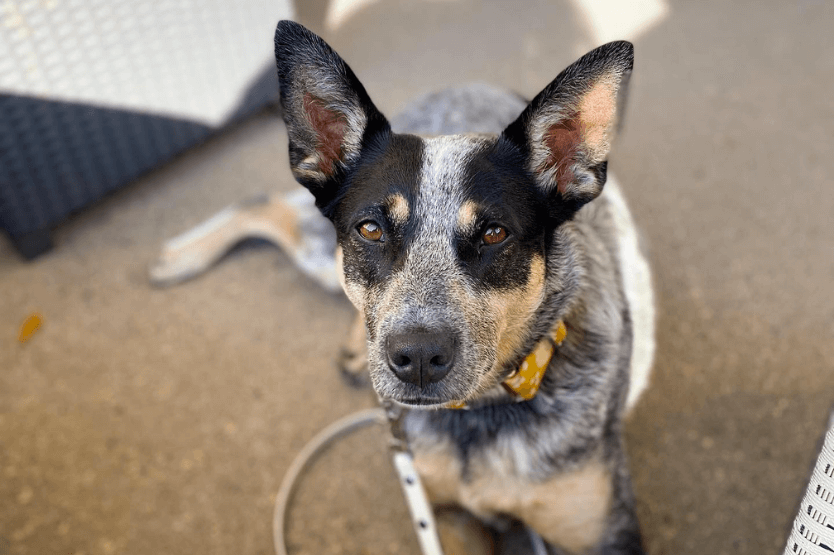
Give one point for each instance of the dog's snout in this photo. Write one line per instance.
(421, 358)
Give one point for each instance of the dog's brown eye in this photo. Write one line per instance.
(371, 231)
(494, 234)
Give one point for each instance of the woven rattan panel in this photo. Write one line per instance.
(95, 92)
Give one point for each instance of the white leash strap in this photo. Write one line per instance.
(418, 504)
(813, 528)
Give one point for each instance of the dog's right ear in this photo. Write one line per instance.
(329, 116)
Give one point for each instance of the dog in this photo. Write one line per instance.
(505, 296)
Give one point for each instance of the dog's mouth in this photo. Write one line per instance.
(422, 402)
(437, 395)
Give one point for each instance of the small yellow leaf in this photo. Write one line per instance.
(29, 327)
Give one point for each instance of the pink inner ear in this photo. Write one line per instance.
(562, 140)
(330, 128)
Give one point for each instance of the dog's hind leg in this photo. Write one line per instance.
(289, 220)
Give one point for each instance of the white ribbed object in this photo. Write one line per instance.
(813, 528)
(189, 59)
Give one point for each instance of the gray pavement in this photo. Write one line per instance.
(146, 421)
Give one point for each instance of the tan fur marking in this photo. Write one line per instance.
(502, 318)
(462, 534)
(514, 309)
(597, 116)
(440, 470)
(398, 209)
(569, 510)
(356, 347)
(589, 129)
(309, 169)
(354, 292)
(467, 214)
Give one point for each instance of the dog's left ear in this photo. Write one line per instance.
(567, 130)
(330, 117)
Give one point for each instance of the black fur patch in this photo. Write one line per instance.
(387, 168)
(505, 194)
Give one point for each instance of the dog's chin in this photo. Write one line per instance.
(434, 396)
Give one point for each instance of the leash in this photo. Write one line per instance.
(418, 503)
(422, 515)
(313, 448)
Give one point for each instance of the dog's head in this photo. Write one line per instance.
(450, 246)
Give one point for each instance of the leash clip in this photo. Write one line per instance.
(398, 443)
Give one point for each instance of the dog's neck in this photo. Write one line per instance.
(523, 384)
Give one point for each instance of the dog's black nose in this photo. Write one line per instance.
(421, 358)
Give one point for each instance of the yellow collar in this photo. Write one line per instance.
(524, 383)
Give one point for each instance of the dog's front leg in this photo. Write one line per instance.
(353, 359)
(588, 510)
(584, 510)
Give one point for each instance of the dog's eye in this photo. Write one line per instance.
(370, 231)
(494, 234)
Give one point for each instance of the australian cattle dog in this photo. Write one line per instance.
(506, 302)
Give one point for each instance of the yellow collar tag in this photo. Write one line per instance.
(524, 383)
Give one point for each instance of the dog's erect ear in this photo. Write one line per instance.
(329, 115)
(566, 131)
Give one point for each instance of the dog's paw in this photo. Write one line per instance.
(353, 360)
(353, 367)
(463, 534)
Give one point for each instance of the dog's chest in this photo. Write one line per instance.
(568, 508)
